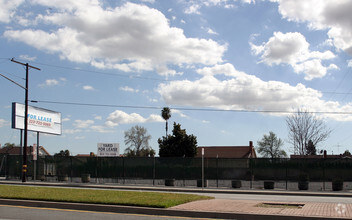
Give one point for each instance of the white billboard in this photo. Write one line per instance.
(108, 150)
(39, 119)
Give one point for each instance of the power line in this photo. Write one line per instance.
(166, 80)
(184, 108)
(102, 73)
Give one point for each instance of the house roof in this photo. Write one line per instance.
(228, 151)
(17, 151)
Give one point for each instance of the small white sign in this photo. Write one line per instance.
(108, 150)
(202, 151)
(34, 152)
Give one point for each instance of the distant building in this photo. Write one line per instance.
(325, 155)
(18, 151)
(91, 154)
(338, 156)
(235, 152)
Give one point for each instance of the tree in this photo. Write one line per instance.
(270, 146)
(166, 114)
(311, 150)
(62, 153)
(9, 145)
(179, 144)
(347, 153)
(137, 140)
(304, 126)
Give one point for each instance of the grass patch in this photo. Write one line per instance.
(280, 205)
(129, 198)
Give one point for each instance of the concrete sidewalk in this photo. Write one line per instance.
(243, 207)
(215, 208)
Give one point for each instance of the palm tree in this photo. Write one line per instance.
(166, 114)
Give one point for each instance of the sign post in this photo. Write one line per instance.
(202, 168)
(34, 154)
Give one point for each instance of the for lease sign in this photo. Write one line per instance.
(108, 150)
(38, 119)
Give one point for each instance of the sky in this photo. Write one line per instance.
(230, 70)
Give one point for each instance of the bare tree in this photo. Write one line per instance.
(303, 127)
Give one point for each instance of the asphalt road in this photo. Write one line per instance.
(28, 213)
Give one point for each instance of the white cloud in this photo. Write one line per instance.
(66, 119)
(178, 112)
(88, 88)
(149, 1)
(153, 100)
(52, 82)
(87, 33)
(119, 117)
(88, 126)
(210, 31)
(246, 92)
(333, 15)
(83, 123)
(128, 89)
(4, 123)
(193, 8)
(164, 71)
(98, 117)
(8, 9)
(293, 49)
(71, 131)
(80, 137)
(349, 63)
(27, 57)
(101, 129)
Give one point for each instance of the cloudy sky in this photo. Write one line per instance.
(230, 70)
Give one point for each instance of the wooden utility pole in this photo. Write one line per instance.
(24, 165)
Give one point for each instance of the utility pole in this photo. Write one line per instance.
(24, 165)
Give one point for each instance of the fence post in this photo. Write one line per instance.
(217, 171)
(123, 169)
(71, 164)
(96, 169)
(153, 170)
(251, 172)
(286, 170)
(324, 174)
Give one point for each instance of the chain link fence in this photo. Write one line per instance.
(219, 172)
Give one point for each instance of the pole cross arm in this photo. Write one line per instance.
(24, 64)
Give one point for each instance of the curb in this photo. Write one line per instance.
(182, 190)
(150, 211)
